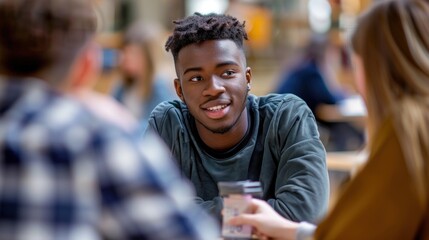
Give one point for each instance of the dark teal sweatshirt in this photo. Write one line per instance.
(281, 149)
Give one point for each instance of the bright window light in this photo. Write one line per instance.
(319, 14)
(206, 6)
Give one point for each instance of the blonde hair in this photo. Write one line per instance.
(392, 39)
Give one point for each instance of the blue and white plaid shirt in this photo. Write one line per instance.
(65, 174)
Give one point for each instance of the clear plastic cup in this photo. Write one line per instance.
(237, 196)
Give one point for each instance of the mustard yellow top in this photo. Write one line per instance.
(381, 202)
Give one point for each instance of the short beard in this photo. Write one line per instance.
(221, 130)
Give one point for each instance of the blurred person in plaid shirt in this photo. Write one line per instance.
(65, 173)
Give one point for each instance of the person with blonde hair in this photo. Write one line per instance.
(144, 84)
(388, 198)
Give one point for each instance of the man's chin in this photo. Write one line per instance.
(220, 130)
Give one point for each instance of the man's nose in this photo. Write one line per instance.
(214, 86)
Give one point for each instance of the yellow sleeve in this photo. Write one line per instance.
(381, 202)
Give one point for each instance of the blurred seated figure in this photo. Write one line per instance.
(142, 87)
(310, 80)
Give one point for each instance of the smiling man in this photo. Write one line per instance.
(220, 132)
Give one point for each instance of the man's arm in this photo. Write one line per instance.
(302, 185)
(214, 207)
(145, 197)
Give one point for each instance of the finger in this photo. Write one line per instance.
(261, 236)
(248, 219)
(252, 207)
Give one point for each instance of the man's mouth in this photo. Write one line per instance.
(216, 108)
(218, 111)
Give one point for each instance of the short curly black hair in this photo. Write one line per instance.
(198, 28)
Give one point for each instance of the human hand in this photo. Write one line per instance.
(267, 223)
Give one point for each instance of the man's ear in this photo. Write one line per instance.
(248, 75)
(178, 88)
(248, 78)
(86, 68)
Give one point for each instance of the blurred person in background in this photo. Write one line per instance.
(389, 197)
(142, 86)
(217, 131)
(65, 173)
(311, 78)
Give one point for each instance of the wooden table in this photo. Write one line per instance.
(341, 167)
(351, 110)
(348, 161)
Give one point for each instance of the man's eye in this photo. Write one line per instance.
(196, 79)
(228, 73)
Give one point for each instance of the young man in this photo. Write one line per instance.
(218, 132)
(64, 173)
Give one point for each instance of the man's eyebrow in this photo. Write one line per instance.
(222, 64)
(192, 69)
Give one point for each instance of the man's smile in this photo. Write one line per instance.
(217, 112)
(216, 108)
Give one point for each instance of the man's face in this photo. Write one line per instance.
(212, 81)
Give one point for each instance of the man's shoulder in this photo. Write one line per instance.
(170, 118)
(62, 112)
(47, 119)
(66, 115)
(275, 101)
(170, 111)
(39, 104)
(280, 109)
